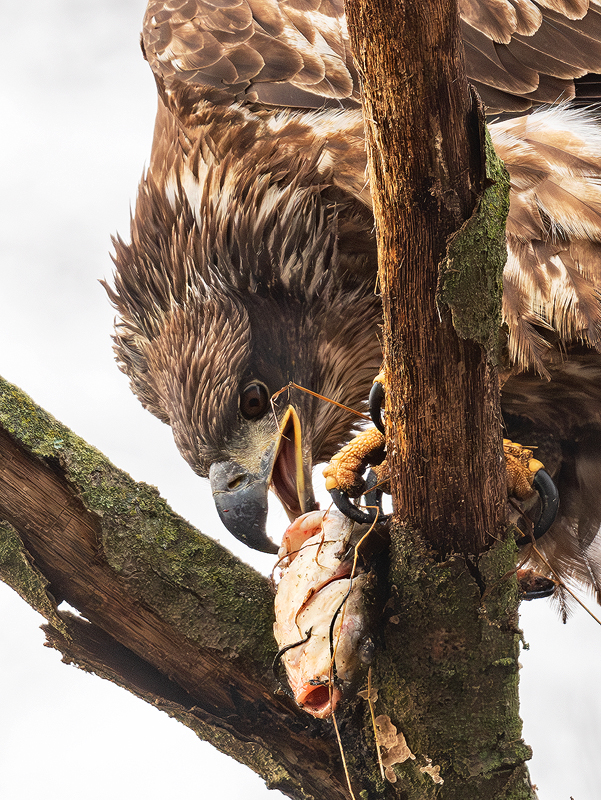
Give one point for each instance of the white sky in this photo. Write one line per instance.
(78, 103)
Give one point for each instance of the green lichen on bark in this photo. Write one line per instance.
(192, 579)
(189, 590)
(471, 274)
(448, 675)
(17, 571)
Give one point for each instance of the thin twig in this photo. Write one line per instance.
(348, 777)
(293, 385)
(373, 722)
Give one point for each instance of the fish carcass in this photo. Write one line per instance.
(322, 607)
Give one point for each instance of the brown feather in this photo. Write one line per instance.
(252, 252)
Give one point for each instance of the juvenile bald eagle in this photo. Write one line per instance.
(252, 260)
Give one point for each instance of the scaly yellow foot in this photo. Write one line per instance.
(521, 468)
(346, 468)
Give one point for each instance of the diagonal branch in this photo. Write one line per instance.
(168, 613)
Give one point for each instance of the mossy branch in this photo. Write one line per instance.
(447, 674)
(168, 613)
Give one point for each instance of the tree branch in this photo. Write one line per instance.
(169, 613)
(447, 674)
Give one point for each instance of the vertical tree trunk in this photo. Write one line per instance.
(426, 169)
(447, 673)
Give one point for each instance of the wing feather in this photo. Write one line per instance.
(499, 20)
(255, 49)
(302, 54)
(553, 275)
(486, 62)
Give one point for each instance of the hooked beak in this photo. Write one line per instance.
(241, 495)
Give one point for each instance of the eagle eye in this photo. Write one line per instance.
(254, 400)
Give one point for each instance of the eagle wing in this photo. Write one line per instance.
(296, 53)
(281, 53)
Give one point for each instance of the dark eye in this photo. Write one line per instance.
(254, 400)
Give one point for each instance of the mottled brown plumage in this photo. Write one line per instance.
(252, 258)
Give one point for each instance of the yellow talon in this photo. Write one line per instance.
(534, 465)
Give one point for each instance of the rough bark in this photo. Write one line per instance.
(447, 674)
(168, 613)
(425, 147)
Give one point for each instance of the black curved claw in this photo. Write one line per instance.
(533, 585)
(549, 496)
(538, 594)
(376, 401)
(349, 509)
(373, 499)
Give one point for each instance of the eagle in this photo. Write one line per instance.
(252, 258)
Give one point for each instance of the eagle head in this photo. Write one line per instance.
(229, 291)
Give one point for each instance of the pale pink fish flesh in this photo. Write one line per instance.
(316, 588)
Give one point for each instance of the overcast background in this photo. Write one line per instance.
(78, 106)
